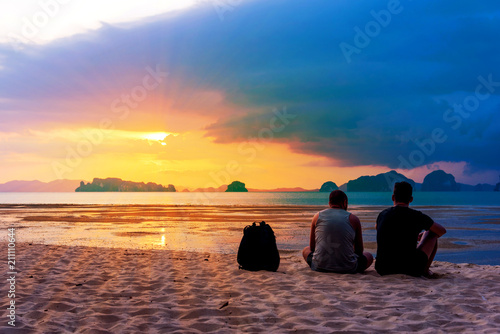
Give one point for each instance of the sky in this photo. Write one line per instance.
(271, 93)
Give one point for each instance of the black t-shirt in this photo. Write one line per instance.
(397, 233)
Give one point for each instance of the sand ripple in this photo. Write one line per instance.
(66, 289)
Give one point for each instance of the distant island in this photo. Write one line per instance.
(383, 182)
(236, 186)
(439, 180)
(328, 186)
(62, 185)
(118, 185)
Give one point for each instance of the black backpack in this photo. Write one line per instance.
(258, 250)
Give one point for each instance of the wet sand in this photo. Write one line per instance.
(158, 269)
(472, 232)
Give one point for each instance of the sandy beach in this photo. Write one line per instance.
(68, 289)
(173, 269)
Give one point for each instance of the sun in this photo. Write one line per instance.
(156, 136)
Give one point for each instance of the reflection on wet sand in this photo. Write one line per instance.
(219, 228)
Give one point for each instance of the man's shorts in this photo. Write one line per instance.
(310, 259)
(413, 265)
(362, 262)
(417, 264)
(361, 265)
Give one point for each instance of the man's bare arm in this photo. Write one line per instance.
(312, 239)
(358, 238)
(437, 229)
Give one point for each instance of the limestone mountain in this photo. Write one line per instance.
(118, 185)
(381, 182)
(236, 186)
(328, 186)
(439, 180)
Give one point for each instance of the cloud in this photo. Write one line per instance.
(395, 88)
(264, 55)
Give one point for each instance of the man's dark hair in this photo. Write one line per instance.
(403, 192)
(337, 197)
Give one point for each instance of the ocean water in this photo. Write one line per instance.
(472, 219)
(253, 198)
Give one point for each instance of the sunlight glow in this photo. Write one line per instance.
(77, 134)
(156, 136)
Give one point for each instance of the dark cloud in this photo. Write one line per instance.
(270, 54)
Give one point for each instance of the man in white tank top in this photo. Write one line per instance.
(336, 243)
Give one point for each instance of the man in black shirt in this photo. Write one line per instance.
(398, 232)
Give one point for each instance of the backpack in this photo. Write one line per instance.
(258, 250)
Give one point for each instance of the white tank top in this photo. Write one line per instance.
(334, 242)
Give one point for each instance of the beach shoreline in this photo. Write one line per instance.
(472, 233)
(109, 290)
(170, 268)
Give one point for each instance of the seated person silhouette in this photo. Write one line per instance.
(336, 243)
(398, 232)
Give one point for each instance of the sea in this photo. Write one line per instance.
(465, 199)
(472, 219)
